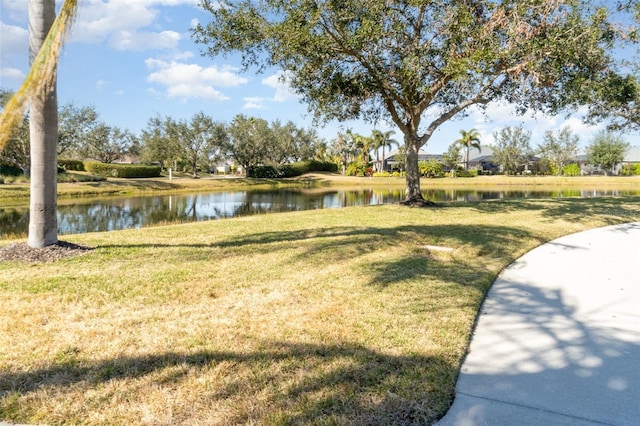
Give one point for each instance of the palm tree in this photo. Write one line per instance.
(468, 140)
(364, 145)
(376, 144)
(39, 90)
(43, 135)
(383, 140)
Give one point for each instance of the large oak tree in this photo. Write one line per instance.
(416, 63)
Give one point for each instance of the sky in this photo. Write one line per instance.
(134, 59)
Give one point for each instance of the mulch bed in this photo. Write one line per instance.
(60, 250)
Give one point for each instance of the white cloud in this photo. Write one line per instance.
(180, 56)
(500, 115)
(125, 24)
(195, 91)
(503, 114)
(254, 103)
(13, 75)
(151, 3)
(101, 83)
(283, 91)
(192, 80)
(13, 44)
(139, 41)
(584, 131)
(98, 21)
(14, 9)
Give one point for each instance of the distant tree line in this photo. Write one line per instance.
(196, 144)
(200, 143)
(557, 154)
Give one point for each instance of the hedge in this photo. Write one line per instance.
(122, 170)
(291, 170)
(7, 170)
(74, 165)
(268, 172)
(630, 169)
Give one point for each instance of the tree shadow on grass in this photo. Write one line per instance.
(537, 348)
(431, 282)
(294, 383)
(612, 209)
(342, 243)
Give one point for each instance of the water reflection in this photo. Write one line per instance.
(80, 216)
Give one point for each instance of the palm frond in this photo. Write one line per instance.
(42, 73)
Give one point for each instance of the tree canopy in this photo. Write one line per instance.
(614, 97)
(511, 149)
(559, 148)
(607, 150)
(416, 63)
(451, 158)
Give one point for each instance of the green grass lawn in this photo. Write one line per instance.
(319, 317)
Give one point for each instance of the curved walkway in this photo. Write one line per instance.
(557, 341)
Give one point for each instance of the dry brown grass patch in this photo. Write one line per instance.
(319, 317)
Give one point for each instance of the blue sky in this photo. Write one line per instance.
(132, 59)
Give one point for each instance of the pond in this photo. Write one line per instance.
(107, 214)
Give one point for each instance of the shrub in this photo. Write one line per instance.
(122, 170)
(321, 166)
(15, 179)
(430, 169)
(291, 170)
(70, 177)
(466, 173)
(382, 174)
(268, 172)
(630, 169)
(395, 174)
(357, 168)
(7, 170)
(571, 170)
(74, 165)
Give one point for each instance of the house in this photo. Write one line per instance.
(390, 162)
(631, 159)
(631, 162)
(632, 156)
(480, 160)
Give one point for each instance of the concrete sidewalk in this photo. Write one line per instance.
(557, 341)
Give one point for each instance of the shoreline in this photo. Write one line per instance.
(18, 193)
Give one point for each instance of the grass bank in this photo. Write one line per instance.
(316, 317)
(18, 193)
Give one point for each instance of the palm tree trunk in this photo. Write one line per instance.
(43, 127)
(466, 164)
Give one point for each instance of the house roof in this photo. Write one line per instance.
(474, 154)
(479, 155)
(633, 155)
(422, 155)
(480, 159)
